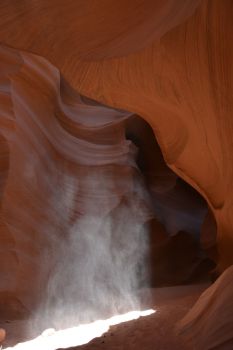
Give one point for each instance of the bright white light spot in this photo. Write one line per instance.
(51, 339)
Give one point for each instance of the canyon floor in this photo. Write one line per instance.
(154, 332)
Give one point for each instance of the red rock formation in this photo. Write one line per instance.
(167, 61)
(209, 236)
(180, 84)
(158, 176)
(67, 29)
(209, 323)
(69, 159)
(2, 335)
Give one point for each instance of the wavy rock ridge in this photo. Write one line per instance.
(173, 70)
(66, 166)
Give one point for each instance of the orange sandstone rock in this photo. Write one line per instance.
(2, 334)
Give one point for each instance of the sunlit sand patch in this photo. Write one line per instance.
(51, 339)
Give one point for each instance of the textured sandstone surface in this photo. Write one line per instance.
(181, 83)
(69, 159)
(169, 62)
(209, 324)
(2, 334)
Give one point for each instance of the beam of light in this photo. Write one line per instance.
(51, 339)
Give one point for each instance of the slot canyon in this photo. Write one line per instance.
(116, 171)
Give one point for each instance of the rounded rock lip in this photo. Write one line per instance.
(2, 335)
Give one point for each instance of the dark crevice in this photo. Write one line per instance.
(183, 231)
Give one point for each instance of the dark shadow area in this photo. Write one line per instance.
(183, 230)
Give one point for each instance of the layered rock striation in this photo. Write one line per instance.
(67, 171)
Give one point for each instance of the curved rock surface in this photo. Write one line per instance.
(186, 100)
(167, 61)
(64, 30)
(66, 166)
(209, 324)
(181, 84)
